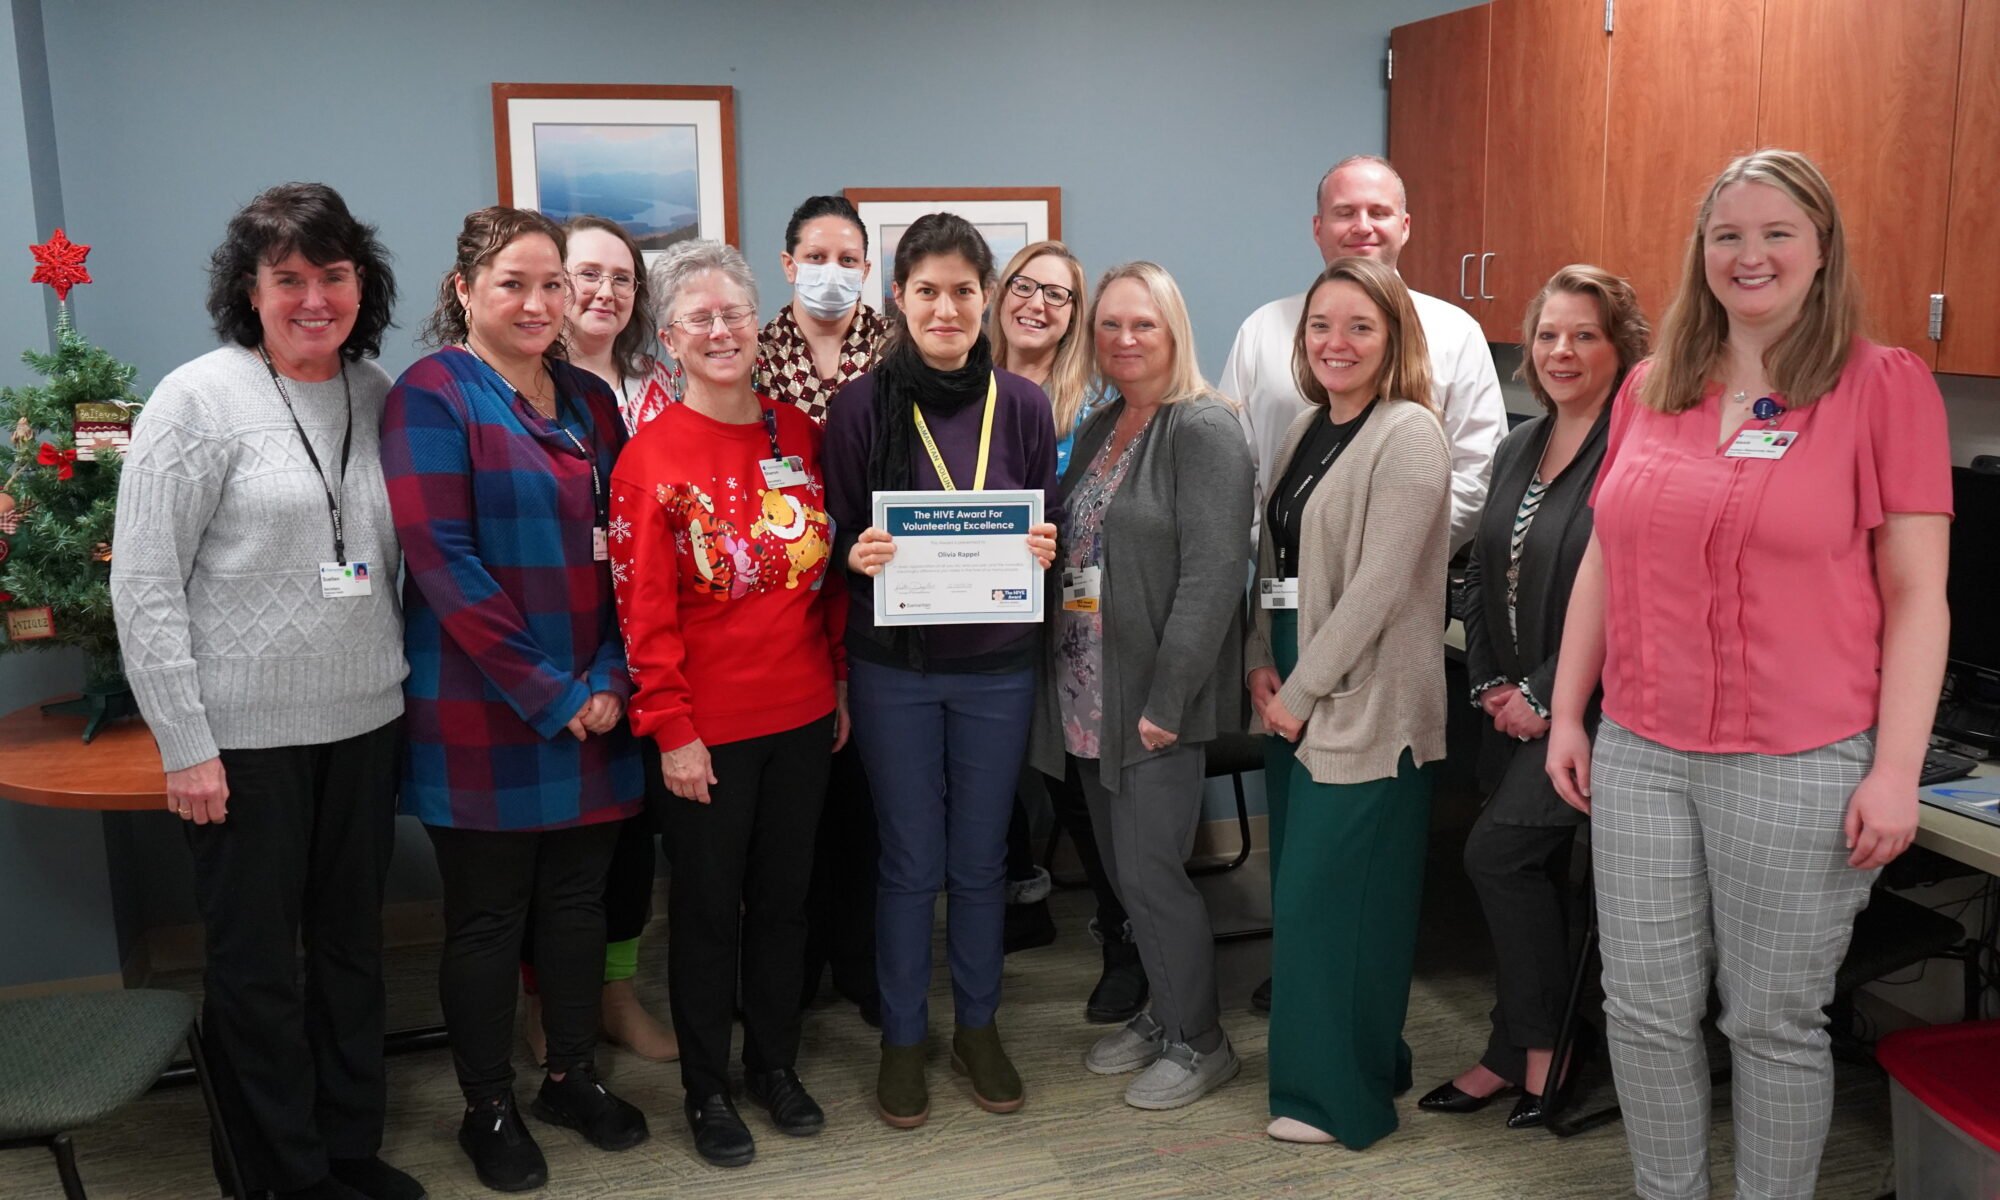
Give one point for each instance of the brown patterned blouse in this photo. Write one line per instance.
(785, 370)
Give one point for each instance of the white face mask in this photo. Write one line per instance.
(827, 290)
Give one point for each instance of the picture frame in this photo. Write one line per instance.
(659, 159)
(1009, 217)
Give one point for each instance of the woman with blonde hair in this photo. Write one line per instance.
(1155, 501)
(1347, 671)
(1763, 603)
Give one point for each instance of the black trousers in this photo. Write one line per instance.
(840, 916)
(491, 881)
(628, 887)
(1521, 874)
(302, 857)
(1073, 814)
(742, 863)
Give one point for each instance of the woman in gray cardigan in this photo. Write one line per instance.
(1347, 668)
(1156, 496)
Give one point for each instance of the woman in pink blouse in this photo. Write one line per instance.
(1764, 603)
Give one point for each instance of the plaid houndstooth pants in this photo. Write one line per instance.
(1736, 860)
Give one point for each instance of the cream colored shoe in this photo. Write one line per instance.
(627, 1023)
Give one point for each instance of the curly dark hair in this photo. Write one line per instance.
(486, 232)
(312, 219)
(632, 349)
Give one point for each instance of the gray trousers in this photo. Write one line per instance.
(1146, 832)
(1735, 860)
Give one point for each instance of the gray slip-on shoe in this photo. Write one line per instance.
(1183, 1075)
(1130, 1047)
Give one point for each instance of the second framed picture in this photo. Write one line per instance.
(659, 160)
(1009, 218)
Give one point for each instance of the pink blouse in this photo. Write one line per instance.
(1743, 613)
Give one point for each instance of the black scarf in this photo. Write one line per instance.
(903, 380)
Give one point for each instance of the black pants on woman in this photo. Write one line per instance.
(1521, 874)
(302, 857)
(491, 880)
(742, 868)
(840, 917)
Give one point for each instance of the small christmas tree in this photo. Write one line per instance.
(57, 497)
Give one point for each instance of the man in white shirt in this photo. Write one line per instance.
(1363, 210)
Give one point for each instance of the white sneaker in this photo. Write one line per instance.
(1134, 1045)
(1182, 1075)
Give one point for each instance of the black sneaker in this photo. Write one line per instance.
(781, 1094)
(720, 1136)
(578, 1101)
(503, 1152)
(376, 1179)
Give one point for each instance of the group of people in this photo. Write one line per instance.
(637, 558)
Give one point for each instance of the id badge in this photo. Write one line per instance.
(1082, 588)
(1278, 593)
(343, 581)
(600, 543)
(789, 471)
(1761, 443)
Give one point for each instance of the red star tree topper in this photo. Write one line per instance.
(59, 263)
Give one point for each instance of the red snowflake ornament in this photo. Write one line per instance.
(59, 263)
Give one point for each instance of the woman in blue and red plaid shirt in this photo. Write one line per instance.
(498, 457)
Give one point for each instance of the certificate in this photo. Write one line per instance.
(961, 558)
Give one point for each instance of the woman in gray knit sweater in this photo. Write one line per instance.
(252, 577)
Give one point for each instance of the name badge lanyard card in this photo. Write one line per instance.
(1286, 512)
(332, 490)
(780, 472)
(985, 441)
(1768, 443)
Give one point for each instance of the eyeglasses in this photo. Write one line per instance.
(1054, 294)
(736, 319)
(594, 279)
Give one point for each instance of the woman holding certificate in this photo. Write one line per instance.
(940, 712)
(1158, 494)
(1347, 670)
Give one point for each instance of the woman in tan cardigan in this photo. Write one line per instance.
(1346, 667)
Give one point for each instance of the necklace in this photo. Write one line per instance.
(544, 408)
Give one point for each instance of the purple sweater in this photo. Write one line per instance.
(1023, 457)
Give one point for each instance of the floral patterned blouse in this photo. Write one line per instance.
(1080, 635)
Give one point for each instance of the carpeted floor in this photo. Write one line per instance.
(1074, 1138)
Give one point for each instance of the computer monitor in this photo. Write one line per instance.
(1974, 587)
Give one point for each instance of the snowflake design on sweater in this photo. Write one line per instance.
(621, 529)
(618, 571)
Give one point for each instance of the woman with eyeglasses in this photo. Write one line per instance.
(719, 550)
(608, 332)
(940, 713)
(825, 338)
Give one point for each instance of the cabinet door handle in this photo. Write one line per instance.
(1483, 260)
(1464, 261)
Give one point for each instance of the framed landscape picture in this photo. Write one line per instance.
(660, 160)
(1008, 217)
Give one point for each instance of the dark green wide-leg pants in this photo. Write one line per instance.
(1347, 869)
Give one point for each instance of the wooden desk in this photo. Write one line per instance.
(1962, 839)
(44, 761)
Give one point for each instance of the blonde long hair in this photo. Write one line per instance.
(1184, 380)
(1069, 376)
(1406, 360)
(1806, 361)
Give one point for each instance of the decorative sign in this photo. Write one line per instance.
(31, 624)
(99, 426)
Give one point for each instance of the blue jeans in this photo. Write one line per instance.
(942, 752)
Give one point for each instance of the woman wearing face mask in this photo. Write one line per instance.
(825, 338)
(941, 713)
(1347, 672)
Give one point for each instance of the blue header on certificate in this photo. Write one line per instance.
(961, 558)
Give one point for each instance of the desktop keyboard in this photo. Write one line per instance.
(1942, 766)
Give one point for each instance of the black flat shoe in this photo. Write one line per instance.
(503, 1152)
(1528, 1112)
(1447, 1098)
(1531, 1111)
(720, 1136)
(784, 1097)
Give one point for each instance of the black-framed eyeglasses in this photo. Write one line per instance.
(1054, 295)
(621, 284)
(736, 319)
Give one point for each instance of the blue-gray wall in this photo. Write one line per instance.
(1180, 130)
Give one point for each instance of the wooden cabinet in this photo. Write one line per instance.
(1867, 90)
(1437, 139)
(1668, 62)
(1971, 342)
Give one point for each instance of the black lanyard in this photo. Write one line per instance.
(1287, 512)
(600, 502)
(771, 431)
(346, 444)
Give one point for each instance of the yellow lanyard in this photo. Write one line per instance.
(985, 441)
